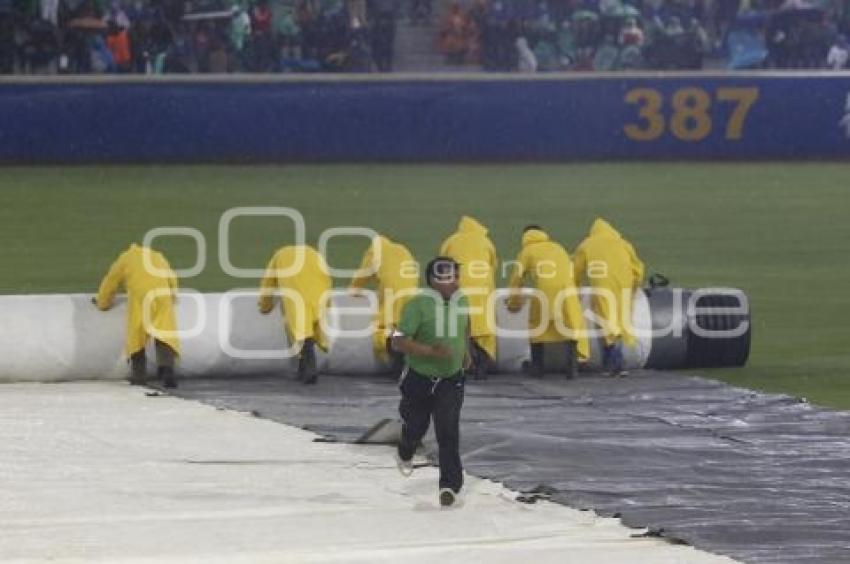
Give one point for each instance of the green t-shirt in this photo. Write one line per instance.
(428, 318)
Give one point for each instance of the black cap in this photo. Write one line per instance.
(439, 267)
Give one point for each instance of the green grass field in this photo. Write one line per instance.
(778, 231)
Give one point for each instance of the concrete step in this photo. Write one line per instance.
(416, 50)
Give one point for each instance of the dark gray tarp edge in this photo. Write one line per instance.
(758, 477)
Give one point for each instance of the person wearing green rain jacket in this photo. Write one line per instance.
(473, 250)
(151, 285)
(555, 313)
(301, 276)
(609, 265)
(395, 273)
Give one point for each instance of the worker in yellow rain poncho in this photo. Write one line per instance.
(151, 285)
(301, 276)
(609, 265)
(555, 313)
(395, 273)
(472, 249)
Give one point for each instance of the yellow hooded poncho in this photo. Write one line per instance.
(608, 263)
(310, 283)
(548, 266)
(157, 282)
(396, 276)
(470, 247)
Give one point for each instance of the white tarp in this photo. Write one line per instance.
(64, 337)
(96, 471)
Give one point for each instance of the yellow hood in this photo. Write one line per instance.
(602, 228)
(470, 225)
(534, 236)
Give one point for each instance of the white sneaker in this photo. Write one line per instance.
(447, 497)
(405, 467)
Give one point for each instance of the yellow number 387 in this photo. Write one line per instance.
(690, 119)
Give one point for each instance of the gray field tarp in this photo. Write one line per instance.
(758, 477)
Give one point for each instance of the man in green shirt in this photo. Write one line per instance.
(433, 334)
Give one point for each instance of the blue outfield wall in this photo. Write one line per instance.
(440, 118)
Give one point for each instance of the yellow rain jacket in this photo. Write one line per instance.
(310, 283)
(128, 271)
(396, 276)
(548, 266)
(607, 262)
(470, 247)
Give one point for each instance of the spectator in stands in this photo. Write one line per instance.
(240, 31)
(77, 46)
(201, 38)
(383, 14)
(356, 12)
(631, 34)
(218, 58)
(175, 60)
(40, 47)
(540, 32)
(838, 54)
(674, 27)
(567, 54)
(726, 11)
(263, 56)
(546, 51)
(304, 297)
(333, 40)
(799, 38)
(816, 38)
(306, 14)
(477, 16)
(455, 33)
(527, 62)
(118, 43)
(778, 47)
(7, 37)
(117, 15)
(498, 49)
(606, 55)
(587, 39)
(143, 47)
(359, 50)
(698, 44)
(151, 288)
(160, 35)
(288, 34)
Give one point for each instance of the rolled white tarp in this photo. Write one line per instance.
(57, 337)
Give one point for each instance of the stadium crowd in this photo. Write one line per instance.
(605, 35)
(173, 36)
(177, 36)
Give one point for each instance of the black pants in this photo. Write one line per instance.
(421, 398)
(164, 360)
